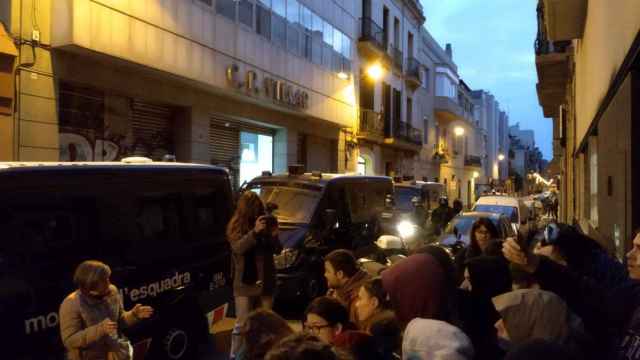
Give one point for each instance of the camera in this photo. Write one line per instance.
(270, 220)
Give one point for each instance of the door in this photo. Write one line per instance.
(386, 101)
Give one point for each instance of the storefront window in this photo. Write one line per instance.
(256, 155)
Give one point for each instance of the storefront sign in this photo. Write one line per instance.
(276, 90)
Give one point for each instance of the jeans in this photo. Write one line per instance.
(245, 305)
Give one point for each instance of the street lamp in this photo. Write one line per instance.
(458, 131)
(476, 175)
(500, 157)
(375, 71)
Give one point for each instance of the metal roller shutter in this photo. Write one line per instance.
(152, 127)
(224, 138)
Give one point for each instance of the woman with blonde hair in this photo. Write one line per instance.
(253, 237)
(92, 317)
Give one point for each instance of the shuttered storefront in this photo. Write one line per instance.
(152, 126)
(224, 139)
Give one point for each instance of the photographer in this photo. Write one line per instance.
(253, 236)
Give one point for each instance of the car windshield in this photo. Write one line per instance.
(295, 205)
(403, 196)
(509, 211)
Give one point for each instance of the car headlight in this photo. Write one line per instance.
(406, 229)
(285, 259)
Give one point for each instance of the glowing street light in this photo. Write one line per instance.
(458, 131)
(343, 75)
(476, 175)
(500, 157)
(375, 71)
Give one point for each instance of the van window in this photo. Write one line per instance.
(366, 200)
(119, 217)
(509, 211)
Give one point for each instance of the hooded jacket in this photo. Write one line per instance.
(533, 314)
(416, 288)
(490, 276)
(426, 339)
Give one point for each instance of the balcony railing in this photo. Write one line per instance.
(408, 133)
(543, 45)
(396, 56)
(413, 68)
(373, 32)
(371, 123)
(473, 160)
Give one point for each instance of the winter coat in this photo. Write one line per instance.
(348, 293)
(493, 249)
(489, 275)
(612, 316)
(533, 314)
(80, 330)
(427, 339)
(416, 287)
(253, 267)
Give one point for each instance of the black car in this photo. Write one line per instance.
(457, 232)
(318, 213)
(159, 226)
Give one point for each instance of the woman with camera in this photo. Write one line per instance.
(253, 236)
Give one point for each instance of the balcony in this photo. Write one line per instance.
(440, 153)
(447, 109)
(553, 67)
(396, 57)
(565, 19)
(406, 137)
(373, 41)
(371, 126)
(473, 161)
(413, 72)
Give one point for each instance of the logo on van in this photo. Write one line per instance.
(156, 288)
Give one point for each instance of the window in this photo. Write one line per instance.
(245, 13)
(263, 18)
(426, 130)
(226, 8)
(293, 27)
(409, 110)
(425, 78)
(346, 46)
(278, 29)
(327, 34)
(593, 183)
(306, 18)
(279, 7)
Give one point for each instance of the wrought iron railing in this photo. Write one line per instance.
(396, 56)
(406, 132)
(543, 45)
(373, 32)
(371, 123)
(413, 68)
(472, 160)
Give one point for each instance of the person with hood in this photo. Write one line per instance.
(253, 243)
(610, 315)
(344, 279)
(428, 339)
(531, 314)
(457, 207)
(472, 313)
(416, 288)
(387, 335)
(483, 240)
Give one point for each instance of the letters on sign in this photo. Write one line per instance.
(276, 90)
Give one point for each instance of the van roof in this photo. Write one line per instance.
(12, 167)
(498, 200)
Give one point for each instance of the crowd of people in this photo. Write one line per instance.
(557, 296)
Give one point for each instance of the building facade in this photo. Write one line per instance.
(590, 87)
(392, 80)
(250, 85)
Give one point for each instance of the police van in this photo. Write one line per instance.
(159, 226)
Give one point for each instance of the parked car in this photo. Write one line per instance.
(514, 208)
(318, 213)
(159, 226)
(457, 232)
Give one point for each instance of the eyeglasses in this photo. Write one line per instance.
(315, 329)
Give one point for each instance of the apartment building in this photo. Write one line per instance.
(250, 85)
(588, 64)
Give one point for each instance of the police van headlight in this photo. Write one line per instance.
(286, 258)
(406, 229)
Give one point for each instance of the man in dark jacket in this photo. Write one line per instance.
(441, 215)
(610, 315)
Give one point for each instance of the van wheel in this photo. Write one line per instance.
(177, 343)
